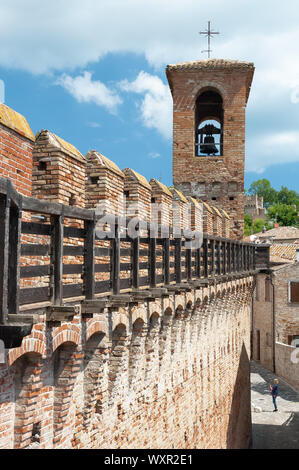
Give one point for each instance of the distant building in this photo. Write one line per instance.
(278, 235)
(275, 306)
(254, 206)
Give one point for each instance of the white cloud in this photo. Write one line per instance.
(95, 125)
(272, 149)
(156, 105)
(86, 90)
(60, 36)
(154, 155)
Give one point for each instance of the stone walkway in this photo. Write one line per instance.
(270, 430)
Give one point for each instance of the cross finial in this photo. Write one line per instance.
(208, 33)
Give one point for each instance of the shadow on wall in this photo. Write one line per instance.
(281, 436)
(239, 427)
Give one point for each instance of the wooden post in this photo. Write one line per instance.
(224, 249)
(218, 258)
(197, 263)
(89, 259)
(15, 227)
(166, 258)
(57, 259)
(115, 262)
(229, 268)
(152, 259)
(205, 258)
(4, 249)
(212, 245)
(188, 260)
(135, 261)
(235, 256)
(178, 260)
(248, 258)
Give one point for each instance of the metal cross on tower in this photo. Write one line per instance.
(208, 33)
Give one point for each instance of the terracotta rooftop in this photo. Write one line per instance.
(211, 64)
(280, 233)
(276, 262)
(15, 121)
(284, 251)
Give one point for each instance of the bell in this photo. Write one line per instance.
(208, 146)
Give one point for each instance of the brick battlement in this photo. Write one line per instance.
(127, 342)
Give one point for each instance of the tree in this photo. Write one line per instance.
(288, 197)
(264, 189)
(247, 224)
(285, 215)
(258, 225)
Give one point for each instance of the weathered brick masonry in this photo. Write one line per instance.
(275, 322)
(163, 374)
(218, 179)
(166, 373)
(16, 144)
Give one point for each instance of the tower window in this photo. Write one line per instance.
(209, 124)
(94, 179)
(231, 198)
(42, 166)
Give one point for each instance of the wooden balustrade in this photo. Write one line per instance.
(167, 259)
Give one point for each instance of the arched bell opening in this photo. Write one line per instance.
(209, 124)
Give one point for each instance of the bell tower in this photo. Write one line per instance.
(209, 103)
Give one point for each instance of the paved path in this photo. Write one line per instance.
(270, 430)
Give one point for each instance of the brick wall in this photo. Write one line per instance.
(287, 363)
(180, 210)
(286, 314)
(161, 203)
(104, 184)
(262, 321)
(138, 195)
(208, 220)
(16, 144)
(58, 170)
(196, 214)
(219, 178)
(169, 374)
(225, 224)
(217, 222)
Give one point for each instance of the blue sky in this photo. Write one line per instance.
(93, 72)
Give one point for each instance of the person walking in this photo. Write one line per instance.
(274, 393)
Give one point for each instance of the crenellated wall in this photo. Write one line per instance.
(166, 373)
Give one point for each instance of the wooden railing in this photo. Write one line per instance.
(118, 264)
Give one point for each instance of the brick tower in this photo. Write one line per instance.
(209, 102)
